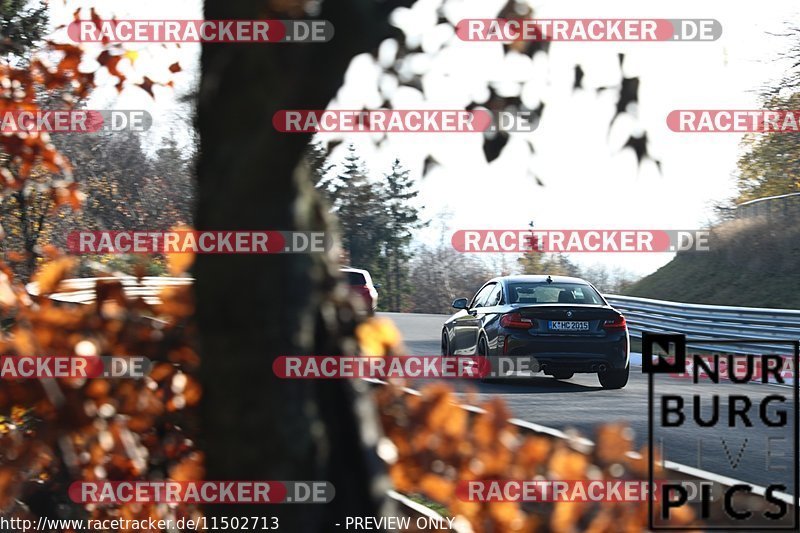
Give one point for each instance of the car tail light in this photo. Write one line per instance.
(516, 320)
(615, 324)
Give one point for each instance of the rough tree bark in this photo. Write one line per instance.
(252, 308)
(31, 217)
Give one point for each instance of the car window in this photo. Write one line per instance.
(495, 296)
(552, 293)
(356, 278)
(483, 294)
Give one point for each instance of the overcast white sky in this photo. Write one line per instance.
(589, 182)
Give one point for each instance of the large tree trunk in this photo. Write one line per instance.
(253, 308)
(30, 230)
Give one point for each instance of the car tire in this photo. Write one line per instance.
(483, 351)
(616, 378)
(563, 375)
(445, 345)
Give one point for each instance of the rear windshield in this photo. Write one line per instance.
(552, 293)
(356, 278)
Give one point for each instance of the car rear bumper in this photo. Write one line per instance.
(554, 354)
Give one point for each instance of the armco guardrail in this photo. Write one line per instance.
(82, 290)
(711, 322)
(697, 321)
(773, 207)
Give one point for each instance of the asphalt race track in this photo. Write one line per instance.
(581, 404)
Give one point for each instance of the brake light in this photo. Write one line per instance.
(515, 320)
(615, 324)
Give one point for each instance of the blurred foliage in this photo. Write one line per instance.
(438, 444)
(770, 163)
(125, 189)
(37, 176)
(54, 431)
(22, 25)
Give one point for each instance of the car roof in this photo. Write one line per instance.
(351, 269)
(539, 278)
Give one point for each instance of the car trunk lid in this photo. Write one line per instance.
(569, 319)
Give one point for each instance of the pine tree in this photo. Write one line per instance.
(532, 261)
(362, 218)
(535, 262)
(402, 218)
(318, 161)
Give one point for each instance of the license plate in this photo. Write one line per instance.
(569, 325)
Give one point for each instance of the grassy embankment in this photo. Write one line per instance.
(753, 263)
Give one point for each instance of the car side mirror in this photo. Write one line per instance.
(460, 303)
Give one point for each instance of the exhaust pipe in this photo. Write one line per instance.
(602, 368)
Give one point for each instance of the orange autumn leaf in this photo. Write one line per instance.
(190, 468)
(51, 274)
(9, 486)
(179, 262)
(379, 337)
(614, 441)
(534, 451)
(437, 487)
(568, 464)
(8, 297)
(566, 515)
